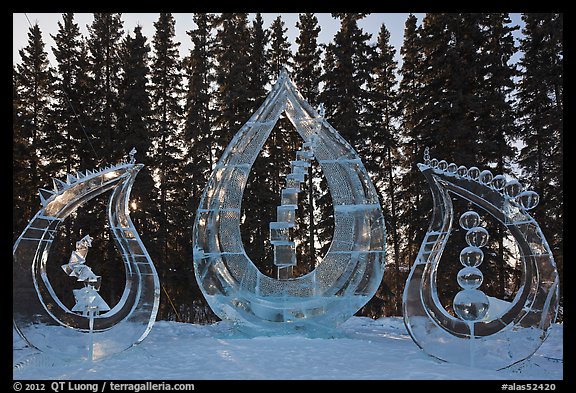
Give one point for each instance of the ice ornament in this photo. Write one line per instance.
(486, 332)
(91, 330)
(353, 267)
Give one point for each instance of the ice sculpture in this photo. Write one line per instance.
(350, 272)
(486, 332)
(88, 302)
(40, 317)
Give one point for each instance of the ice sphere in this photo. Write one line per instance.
(528, 199)
(434, 163)
(471, 304)
(470, 277)
(477, 236)
(498, 182)
(485, 176)
(471, 256)
(462, 171)
(451, 168)
(512, 188)
(469, 220)
(473, 173)
(442, 165)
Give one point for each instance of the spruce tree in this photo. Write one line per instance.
(23, 191)
(259, 67)
(102, 111)
(198, 113)
(279, 53)
(166, 94)
(307, 60)
(234, 105)
(135, 132)
(232, 48)
(198, 136)
(496, 127)
(307, 74)
(70, 95)
(69, 146)
(540, 106)
(34, 88)
(347, 70)
(104, 44)
(414, 201)
(382, 159)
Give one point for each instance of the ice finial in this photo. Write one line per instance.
(427, 155)
(321, 110)
(284, 72)
(131, 155)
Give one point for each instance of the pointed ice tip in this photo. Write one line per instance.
(70, 178)
(284, 72)
(45, 195)
(59, 185)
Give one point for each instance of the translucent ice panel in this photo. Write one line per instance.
(280, 232)
(289, 196)
(286, 214)
(285, 254)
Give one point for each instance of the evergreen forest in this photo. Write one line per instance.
(457, 91)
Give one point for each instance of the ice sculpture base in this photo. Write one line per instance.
(314, 317)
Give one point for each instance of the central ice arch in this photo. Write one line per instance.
(353, 267)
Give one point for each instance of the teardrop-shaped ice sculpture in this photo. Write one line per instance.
(351, 270)
(40, 317)
(490, 333)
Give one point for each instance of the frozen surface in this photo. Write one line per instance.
(380, 349)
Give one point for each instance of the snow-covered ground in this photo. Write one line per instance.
(370, 349)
